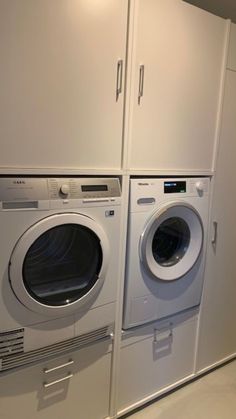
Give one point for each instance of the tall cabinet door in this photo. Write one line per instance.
(62, 79)
(176, 70)
(217, 338)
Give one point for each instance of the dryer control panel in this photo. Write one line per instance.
(34, 192)
(84, 188)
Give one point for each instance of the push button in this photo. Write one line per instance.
(110, 213)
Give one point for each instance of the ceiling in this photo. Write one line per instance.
(224, 8)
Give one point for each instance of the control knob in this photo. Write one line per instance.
(64, 189)
(200, 187)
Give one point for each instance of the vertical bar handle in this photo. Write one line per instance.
(215, 231)
(119, 79)
(141, 83)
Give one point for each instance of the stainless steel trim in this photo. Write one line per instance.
(6, 205)
(119, 79)
(141, 83)
(91, 200)
(46, 385)
(48, 370)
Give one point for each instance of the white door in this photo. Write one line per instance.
(172, 241)
(176, 69)
(59, 264)
(217, 337)
(62, 80)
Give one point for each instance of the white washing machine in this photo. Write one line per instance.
(58, 262)
(166, 247)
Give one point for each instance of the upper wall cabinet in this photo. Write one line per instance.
(177, 54)
(62, 80)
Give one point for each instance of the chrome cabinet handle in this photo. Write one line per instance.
(141, 83)
(46, 385)
(48, 370)
(215, 231)
(119, 79)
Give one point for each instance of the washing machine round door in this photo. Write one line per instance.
(59, 264)
(172, 241)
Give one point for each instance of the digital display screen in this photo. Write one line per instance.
(94, 188)
(175, 187)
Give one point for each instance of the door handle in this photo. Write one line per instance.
(215, 232)
(119, 79)
(141, 83)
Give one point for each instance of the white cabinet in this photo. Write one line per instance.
(156, 357)
(46, 391)
(61, 74)
(175, 79)
(217, 338)
(231, 64)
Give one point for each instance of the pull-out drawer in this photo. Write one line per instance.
(75, 385)
(155, 357)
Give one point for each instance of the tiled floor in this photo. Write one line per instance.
(211, 397)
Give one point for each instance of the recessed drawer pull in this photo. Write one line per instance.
(48, 370)
(164, 332)
(46, 385)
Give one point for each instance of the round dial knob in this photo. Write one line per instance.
(200, 186)
(64, 189)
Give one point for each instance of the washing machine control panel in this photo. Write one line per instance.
(175, 186)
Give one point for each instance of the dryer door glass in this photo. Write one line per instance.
(62, 265)
(170, 241)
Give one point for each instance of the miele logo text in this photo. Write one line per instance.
(143, 184)
(19, 182)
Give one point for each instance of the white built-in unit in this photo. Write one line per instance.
(217, 337)
(131, 89)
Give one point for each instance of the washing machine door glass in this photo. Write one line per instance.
(172, 241)
(59, 264)
(62, 265)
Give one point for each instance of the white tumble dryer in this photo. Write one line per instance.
(58, 262)
(166, 247)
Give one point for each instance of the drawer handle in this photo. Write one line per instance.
(48, 370)
(166, 329)
(46, 385)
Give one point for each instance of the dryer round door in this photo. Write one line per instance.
(172, 241)
(59, 264)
